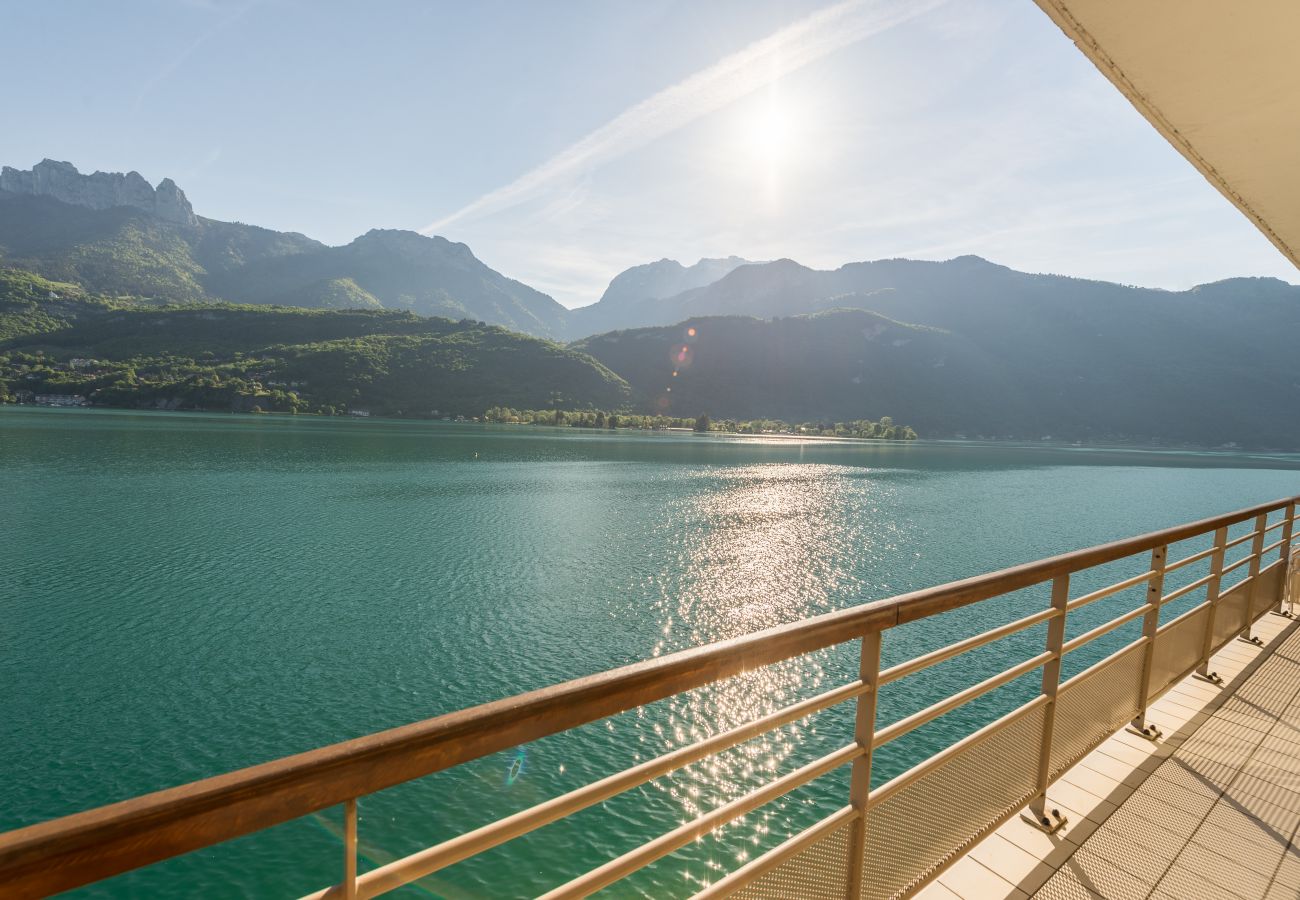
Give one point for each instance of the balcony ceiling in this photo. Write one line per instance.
(1221, 82)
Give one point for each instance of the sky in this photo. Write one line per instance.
(566, 141)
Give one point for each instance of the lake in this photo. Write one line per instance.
(183, 595)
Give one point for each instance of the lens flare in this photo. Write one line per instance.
(516, 768)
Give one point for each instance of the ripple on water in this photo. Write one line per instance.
(187, 595)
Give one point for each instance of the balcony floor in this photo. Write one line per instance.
(1208, 813)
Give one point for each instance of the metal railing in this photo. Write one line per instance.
(884, 841)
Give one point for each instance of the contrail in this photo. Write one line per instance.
(707, 91)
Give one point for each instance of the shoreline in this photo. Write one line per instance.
(1257, 453)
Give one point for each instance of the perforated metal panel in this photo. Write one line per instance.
(1268, 591)
(818, 872)
(1093, 706)
(1178, 649)
(1230, 614)
(1292, 578)
(941, 814)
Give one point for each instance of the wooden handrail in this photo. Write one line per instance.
(88, 846)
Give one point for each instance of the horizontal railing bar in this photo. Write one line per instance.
(1241, 540)
(73, 850)
(757, 868)
(1188, 560)
(1186, 589)
(1278, 524)
(1228, 590)
(1076, 642)
(1273, 546)
(683, 834)
(425, 862)
(897, 729)
(1108, 591)
(1238, 564)
(912, 666)
(1176, 619)
(898, 782)
(63, 853)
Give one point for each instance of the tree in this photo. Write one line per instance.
(702, 422)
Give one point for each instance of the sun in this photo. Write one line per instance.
(771, 134)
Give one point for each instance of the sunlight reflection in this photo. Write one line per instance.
(771, 545)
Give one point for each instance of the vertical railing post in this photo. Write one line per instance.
(1150, 626)
(350, 849)
(1285, 556)
(864, 732)
(1252, 588)
(1051, 684)
(1212, 598)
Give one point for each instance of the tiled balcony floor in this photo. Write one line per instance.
(1208, 813)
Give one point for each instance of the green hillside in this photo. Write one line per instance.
(56, 338)
(125, 251)
(1014, 377)
(838, 366)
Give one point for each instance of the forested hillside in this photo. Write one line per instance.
(847, 364)
(56, 338)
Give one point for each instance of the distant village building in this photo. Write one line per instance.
(61, 400)
(359, 413)
(78, 362)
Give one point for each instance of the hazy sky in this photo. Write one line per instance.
(566, 141)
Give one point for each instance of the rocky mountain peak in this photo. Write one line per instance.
(665, 278)
(101, 190)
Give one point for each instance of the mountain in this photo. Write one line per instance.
(967, 294)
(838, 365)
(102, 190)
(398, 270)
(646, 283)
(115, 234)
(1193, 370)
(59, 338)
(963, 346)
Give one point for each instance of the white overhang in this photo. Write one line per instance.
(1220, 79)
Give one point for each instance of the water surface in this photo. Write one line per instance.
(183, 595)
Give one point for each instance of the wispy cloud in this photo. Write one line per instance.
(731, 78)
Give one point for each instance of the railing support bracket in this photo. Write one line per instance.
(1148, 730)
(1049, 824)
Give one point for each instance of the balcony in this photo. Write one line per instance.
(1146, 746)
(1208, 811)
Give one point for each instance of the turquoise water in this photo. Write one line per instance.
(187, 594)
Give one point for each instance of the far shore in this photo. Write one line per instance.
(1026, 443)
